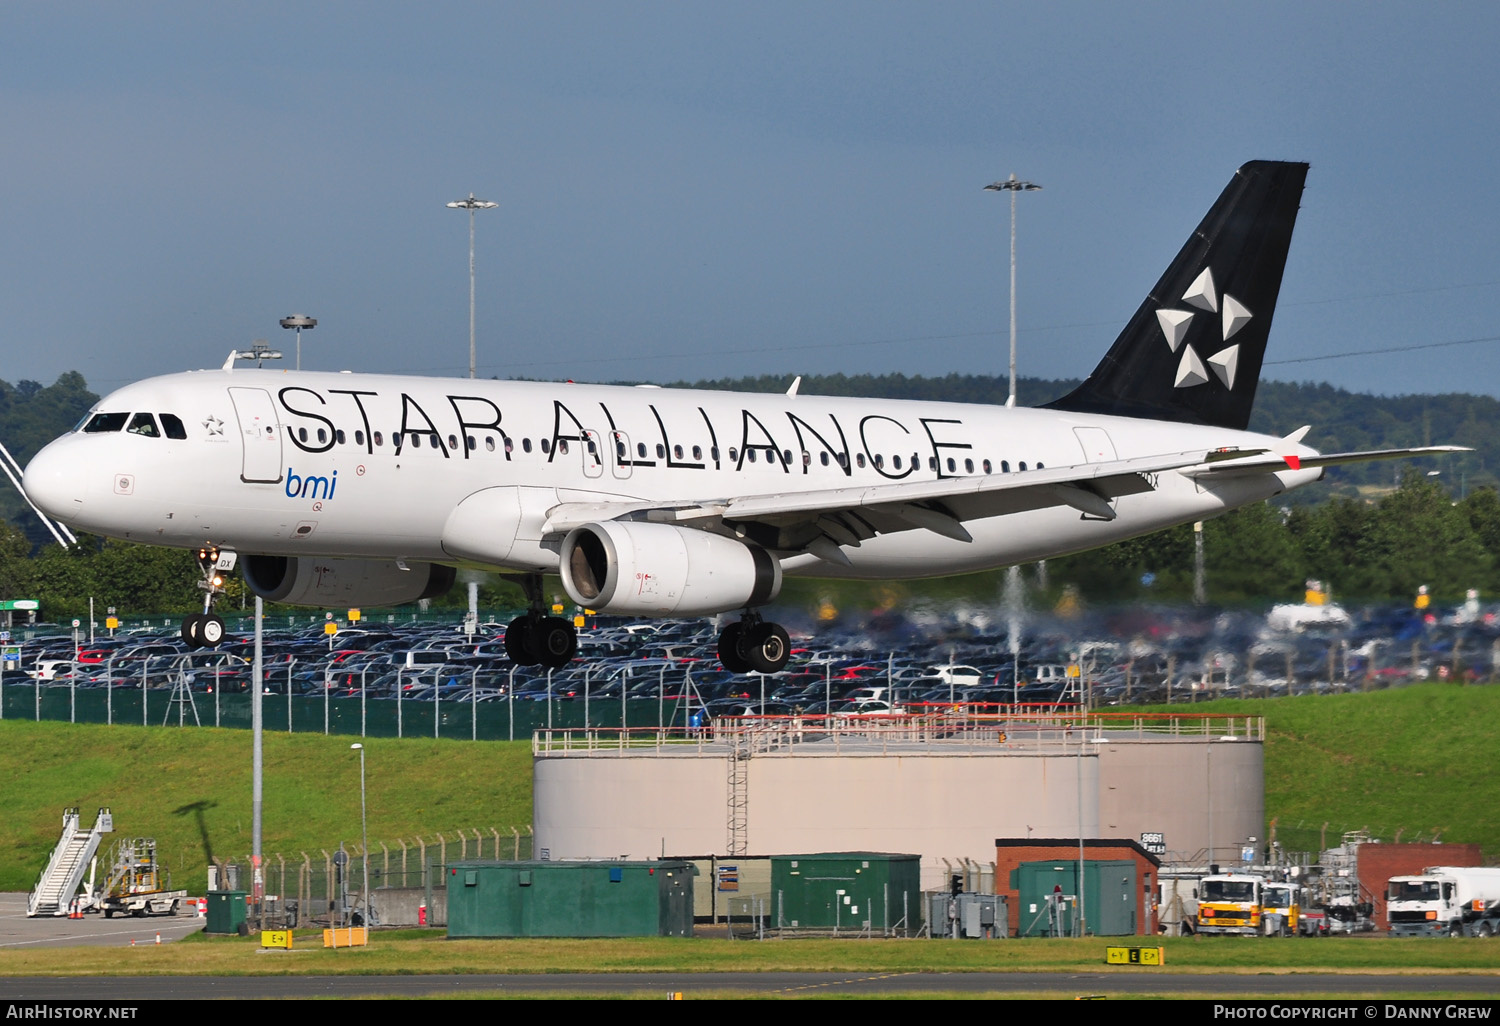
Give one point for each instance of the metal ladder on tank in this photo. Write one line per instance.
(75, 850)
(739, 796)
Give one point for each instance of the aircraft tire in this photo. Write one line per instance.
(190, 629)
(520, 642)
(730, 640)
(556, 641)
(210, 631)
(767, 648)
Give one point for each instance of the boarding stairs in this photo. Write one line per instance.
(75, 849)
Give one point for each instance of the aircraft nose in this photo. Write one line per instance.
(53, 481)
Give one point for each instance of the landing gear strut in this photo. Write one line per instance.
(751, 644)
(205, 630)
(534, 638)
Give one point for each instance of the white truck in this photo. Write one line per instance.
(1453, 901)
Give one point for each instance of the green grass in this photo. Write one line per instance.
(190, 790)
(1417, 761)
(426, 952)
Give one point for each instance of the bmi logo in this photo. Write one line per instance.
(1174, 325)
(310, 487)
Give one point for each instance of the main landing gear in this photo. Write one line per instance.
(751, 644)
(536, 639)
(206, 630)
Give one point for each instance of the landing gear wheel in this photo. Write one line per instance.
(555, 640)
(190, 629)
(766, 648)
(520, 642)
(210, 630)
(730, 639)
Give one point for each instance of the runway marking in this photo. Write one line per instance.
(839, 983)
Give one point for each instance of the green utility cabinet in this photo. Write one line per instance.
(846, 890)
(570, 899)
(226, 912)
(1110, 896)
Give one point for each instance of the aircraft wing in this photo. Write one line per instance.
(1259, 464)
(821, 520)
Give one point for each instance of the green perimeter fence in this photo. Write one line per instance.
(490, 720)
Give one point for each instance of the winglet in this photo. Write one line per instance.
(1298, 435)
(234, 354)
(796, 384)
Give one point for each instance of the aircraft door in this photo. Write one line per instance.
(593, 454)
(622, 464)
(1097, 445)
(260, 434)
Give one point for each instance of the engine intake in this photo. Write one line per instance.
(664, 570)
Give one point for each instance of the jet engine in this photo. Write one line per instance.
(303, 581)
(664, 570)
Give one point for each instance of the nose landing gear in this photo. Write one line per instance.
(205, 629)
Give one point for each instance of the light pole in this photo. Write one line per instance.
(300, 321)
(471, 204)
(1012, 185)
(364, 831)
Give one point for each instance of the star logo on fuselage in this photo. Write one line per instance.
(1191, 369)
(214, 424)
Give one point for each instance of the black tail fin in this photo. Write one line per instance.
(1193, 350)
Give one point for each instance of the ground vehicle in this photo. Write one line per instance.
(1242, 902)
(1457, 901)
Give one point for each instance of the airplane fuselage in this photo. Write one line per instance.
(373, 466)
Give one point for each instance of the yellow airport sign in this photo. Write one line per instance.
(1135, 956)
(276, 939)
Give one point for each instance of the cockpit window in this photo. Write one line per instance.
(143, 424)
(172, 425)
(106, 422)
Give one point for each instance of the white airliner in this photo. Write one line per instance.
(359, 490)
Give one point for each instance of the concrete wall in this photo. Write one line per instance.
(1201, 792)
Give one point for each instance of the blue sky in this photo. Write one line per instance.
(697, 190)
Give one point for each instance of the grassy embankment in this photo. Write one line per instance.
(1417, 761)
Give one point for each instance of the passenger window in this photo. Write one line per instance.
(807, 458)
(434, 441)
(677, 452)
(453, 442)
(823, 456)
(143, 424)
(932, 463)
(172, 425)
(562, 446)
(896, 462)
(546, 446)
(525, 445)
(697, 452)
(859, 458)
(640, 450)
(732, 454)
(378, 438)
(416, 440)
(1005, 466)
(952, 466)
(968, 466)
(987, 467)
(880, 461)
(302, 434)
(750, 455)
(844, 460)
(661, 451)
(322, 436)
(1021, 465)
(714, 452)
(509, 445)
(359, 437)
(1041, 466)
(786, 457)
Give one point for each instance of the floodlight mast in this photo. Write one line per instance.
(1012, 185)
(260, 351)
(471, 204)
(299, 321)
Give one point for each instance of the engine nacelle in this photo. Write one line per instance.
(664, 570)
(336, 583)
